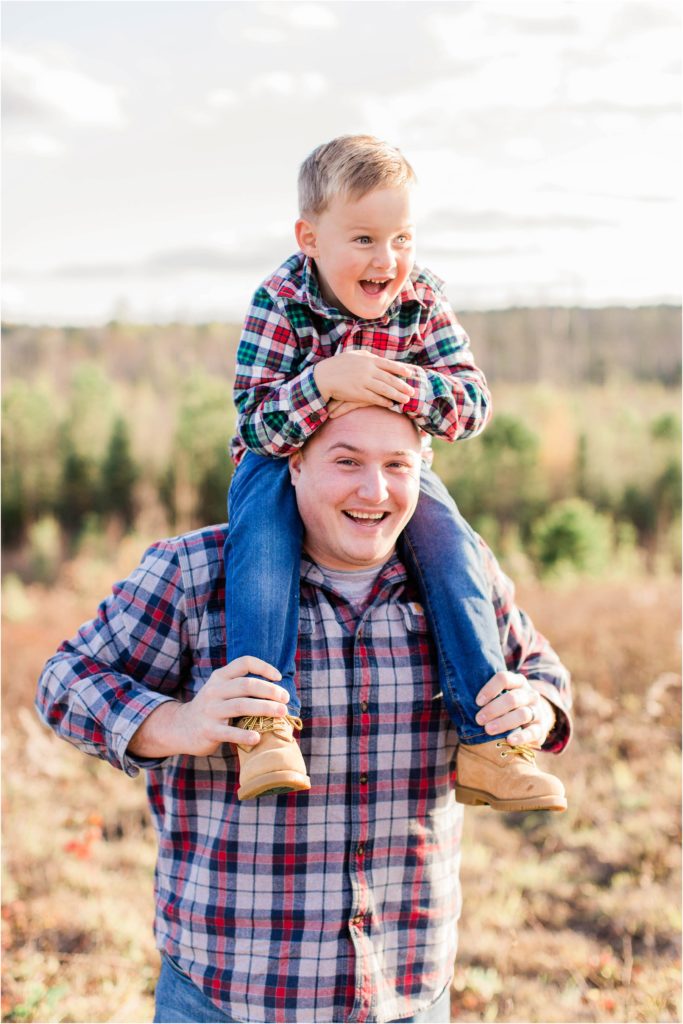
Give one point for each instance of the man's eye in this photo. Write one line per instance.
(346, 462)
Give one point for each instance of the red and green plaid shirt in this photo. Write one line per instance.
(289, 328)
(340, 904)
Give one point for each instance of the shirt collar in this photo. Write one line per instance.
(310, 295)
(392, 573)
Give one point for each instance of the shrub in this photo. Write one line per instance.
(573, 535)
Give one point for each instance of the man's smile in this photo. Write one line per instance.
(365, 518)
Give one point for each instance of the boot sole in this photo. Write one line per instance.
(477, 797)
(276, 782)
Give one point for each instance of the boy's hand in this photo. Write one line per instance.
(336, 408)
(357, 376)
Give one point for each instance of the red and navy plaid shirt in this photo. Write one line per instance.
(289, 328)
(340, 904)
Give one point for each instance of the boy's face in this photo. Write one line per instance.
(363, 250)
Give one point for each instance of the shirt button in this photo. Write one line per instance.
(364, 705)
(360, 849)
(363, 780)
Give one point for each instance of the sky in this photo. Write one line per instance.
(151, 149)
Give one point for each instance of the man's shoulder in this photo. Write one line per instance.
(198, 555)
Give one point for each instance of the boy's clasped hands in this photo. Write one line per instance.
(356, 378)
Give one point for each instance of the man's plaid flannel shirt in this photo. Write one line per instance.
(336, 905)
(289, 328)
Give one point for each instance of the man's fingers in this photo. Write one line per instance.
(247, 665)
(238, 707)
(248, 686)
(496, 684)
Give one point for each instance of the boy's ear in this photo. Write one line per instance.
(306, 236)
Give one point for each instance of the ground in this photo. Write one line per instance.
(572, 917)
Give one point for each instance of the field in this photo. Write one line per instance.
(566, 918)
(116, 435)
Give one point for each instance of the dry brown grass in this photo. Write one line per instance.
(566, 918)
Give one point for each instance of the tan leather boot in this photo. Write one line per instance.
(506, 778)
(275, 764)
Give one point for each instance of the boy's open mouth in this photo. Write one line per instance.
(374, 287)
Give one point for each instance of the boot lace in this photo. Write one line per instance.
(519, 750)
(260, 723)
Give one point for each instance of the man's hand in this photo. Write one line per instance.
(509, 701)
(202, 725)
(358, 376)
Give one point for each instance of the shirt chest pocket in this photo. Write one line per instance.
(211, 641)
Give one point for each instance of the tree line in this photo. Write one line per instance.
(129, 426)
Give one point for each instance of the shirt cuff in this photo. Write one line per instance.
(146, 701)
(305, 395)
(419, 405)
(561, 733)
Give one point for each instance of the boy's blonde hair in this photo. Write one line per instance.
(351, 165)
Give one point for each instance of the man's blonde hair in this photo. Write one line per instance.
(351, 165)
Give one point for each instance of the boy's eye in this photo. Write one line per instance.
(364, 239)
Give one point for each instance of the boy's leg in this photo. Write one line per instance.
(443, 553)
(262, 559)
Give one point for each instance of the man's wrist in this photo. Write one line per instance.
(160, 735)
(549, 717)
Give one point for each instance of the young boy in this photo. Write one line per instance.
(350, 321)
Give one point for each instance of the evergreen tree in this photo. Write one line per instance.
(119, 475)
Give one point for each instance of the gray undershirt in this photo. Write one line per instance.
(355, 586)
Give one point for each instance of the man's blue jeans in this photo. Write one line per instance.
(178, 999)
(440, 550)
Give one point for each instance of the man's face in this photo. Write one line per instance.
(363, 250)
(357, 483)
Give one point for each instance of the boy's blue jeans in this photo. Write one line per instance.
(262, 557)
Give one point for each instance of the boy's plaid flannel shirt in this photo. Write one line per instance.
(289, 328)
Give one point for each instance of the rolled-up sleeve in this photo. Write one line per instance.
(527, 652)
(101, 685)
(452, 399)
(277, 398)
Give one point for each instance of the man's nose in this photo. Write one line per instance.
(373, 486)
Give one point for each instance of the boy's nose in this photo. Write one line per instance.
(383, 259)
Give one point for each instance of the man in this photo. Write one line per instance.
(340, 903)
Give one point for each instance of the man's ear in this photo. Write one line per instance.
(295, 460)
(306, 237)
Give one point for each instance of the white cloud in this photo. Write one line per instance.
(303, 85)
(313, 16)
(42, 86)
(220, 99)
(33, 142)
(264, 35)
